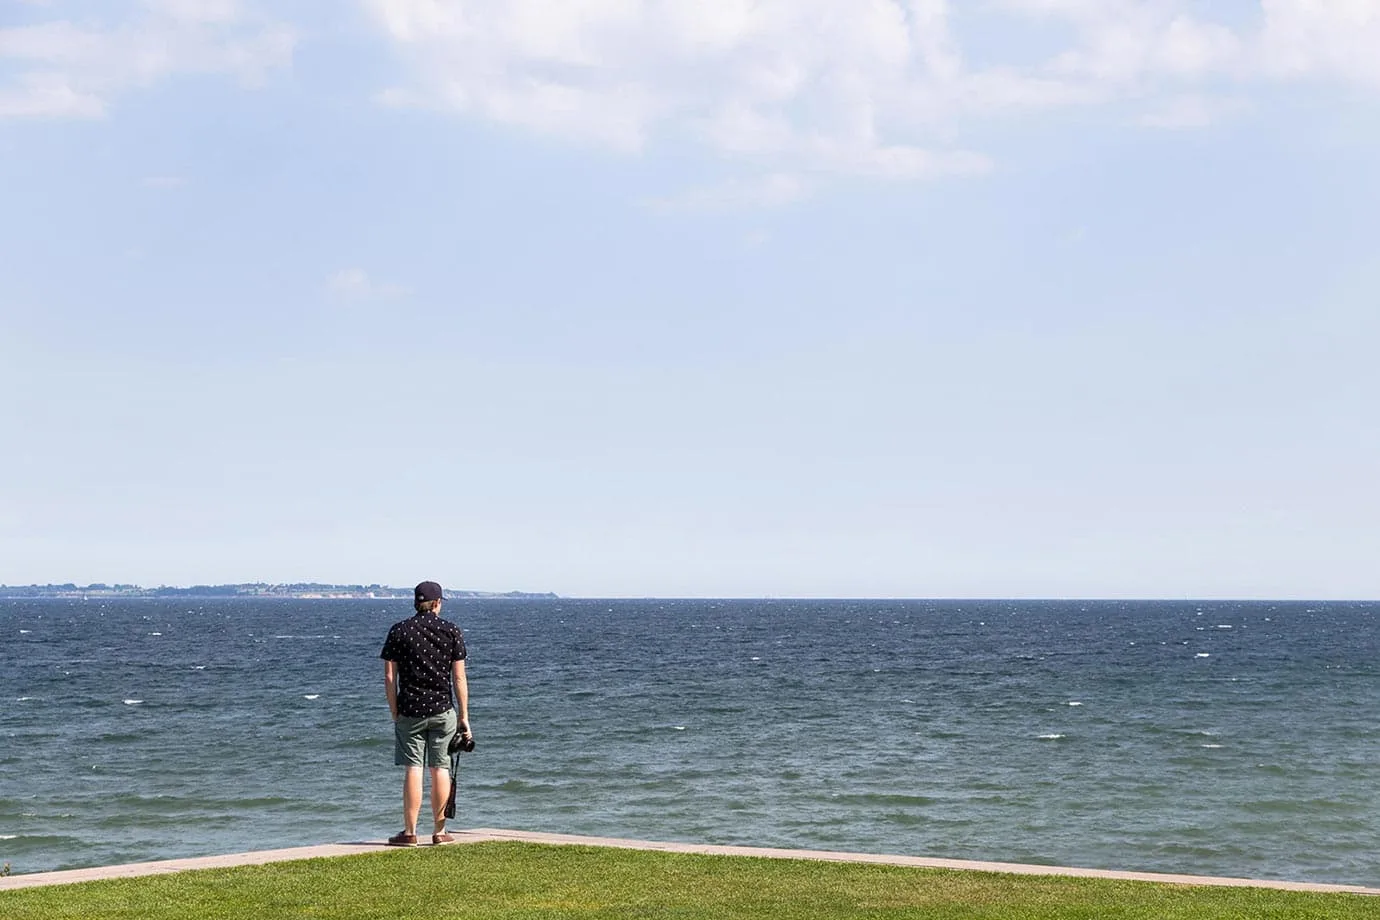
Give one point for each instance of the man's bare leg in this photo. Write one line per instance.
(440, 795)
(412, 798)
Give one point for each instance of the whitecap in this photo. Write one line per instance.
(1054, 737)
(755, 658)
(198, 667)
(25, 699)
(9, 836)
(25, 632)
(155, 634)
(1224, 626)
(1211, 745)
(679, 728)
(312, 696)
(133, 702)
(1203, 655)
(1074, 703)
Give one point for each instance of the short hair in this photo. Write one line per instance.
(427, 606)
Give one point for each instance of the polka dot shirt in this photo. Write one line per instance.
(423, 647)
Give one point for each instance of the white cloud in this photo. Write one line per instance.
(76, 70)
(793, 85)
(1322, 38)
(1189, 111)
(48, 94)
(215, 11)
(859, 87)
(355, 284)
(763, 191)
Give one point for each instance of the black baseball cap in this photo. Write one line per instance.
(426, 591)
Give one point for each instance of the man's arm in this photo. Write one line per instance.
(390, 686)
(462, 694)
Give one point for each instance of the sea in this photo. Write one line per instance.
(1217, 738)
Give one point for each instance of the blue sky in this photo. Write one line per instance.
(1019, 298)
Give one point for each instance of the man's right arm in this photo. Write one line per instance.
(390, 686)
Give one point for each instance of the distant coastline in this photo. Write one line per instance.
(301, 590)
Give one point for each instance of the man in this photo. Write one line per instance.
(423, 659)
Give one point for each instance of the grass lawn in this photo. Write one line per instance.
(524, 880)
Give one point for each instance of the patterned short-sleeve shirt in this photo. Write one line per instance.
(424, 647)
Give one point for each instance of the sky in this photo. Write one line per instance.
(693, 298)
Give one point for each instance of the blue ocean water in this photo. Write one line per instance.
(1218, 738)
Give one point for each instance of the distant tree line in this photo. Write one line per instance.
(306, 589)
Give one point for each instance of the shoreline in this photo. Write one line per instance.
(482, 835)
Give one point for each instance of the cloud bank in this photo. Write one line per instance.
(786, 91)
(882, 88)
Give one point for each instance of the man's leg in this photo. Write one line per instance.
(412, 798)
(440, 795)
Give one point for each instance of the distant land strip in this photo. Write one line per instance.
(250, 590)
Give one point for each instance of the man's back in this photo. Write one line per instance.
(424, 647)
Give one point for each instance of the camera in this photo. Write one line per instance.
(460, 743)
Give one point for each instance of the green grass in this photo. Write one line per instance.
(522, 880)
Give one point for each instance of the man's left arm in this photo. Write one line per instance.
(390, 686)
(462, 694)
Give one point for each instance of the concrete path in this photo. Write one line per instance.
(482, 834)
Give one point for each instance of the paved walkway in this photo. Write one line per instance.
(482, 834)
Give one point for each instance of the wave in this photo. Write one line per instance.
(884, 798)
(522, 786)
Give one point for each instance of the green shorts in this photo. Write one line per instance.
(422, 742)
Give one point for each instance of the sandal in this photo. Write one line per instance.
(403, 840)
